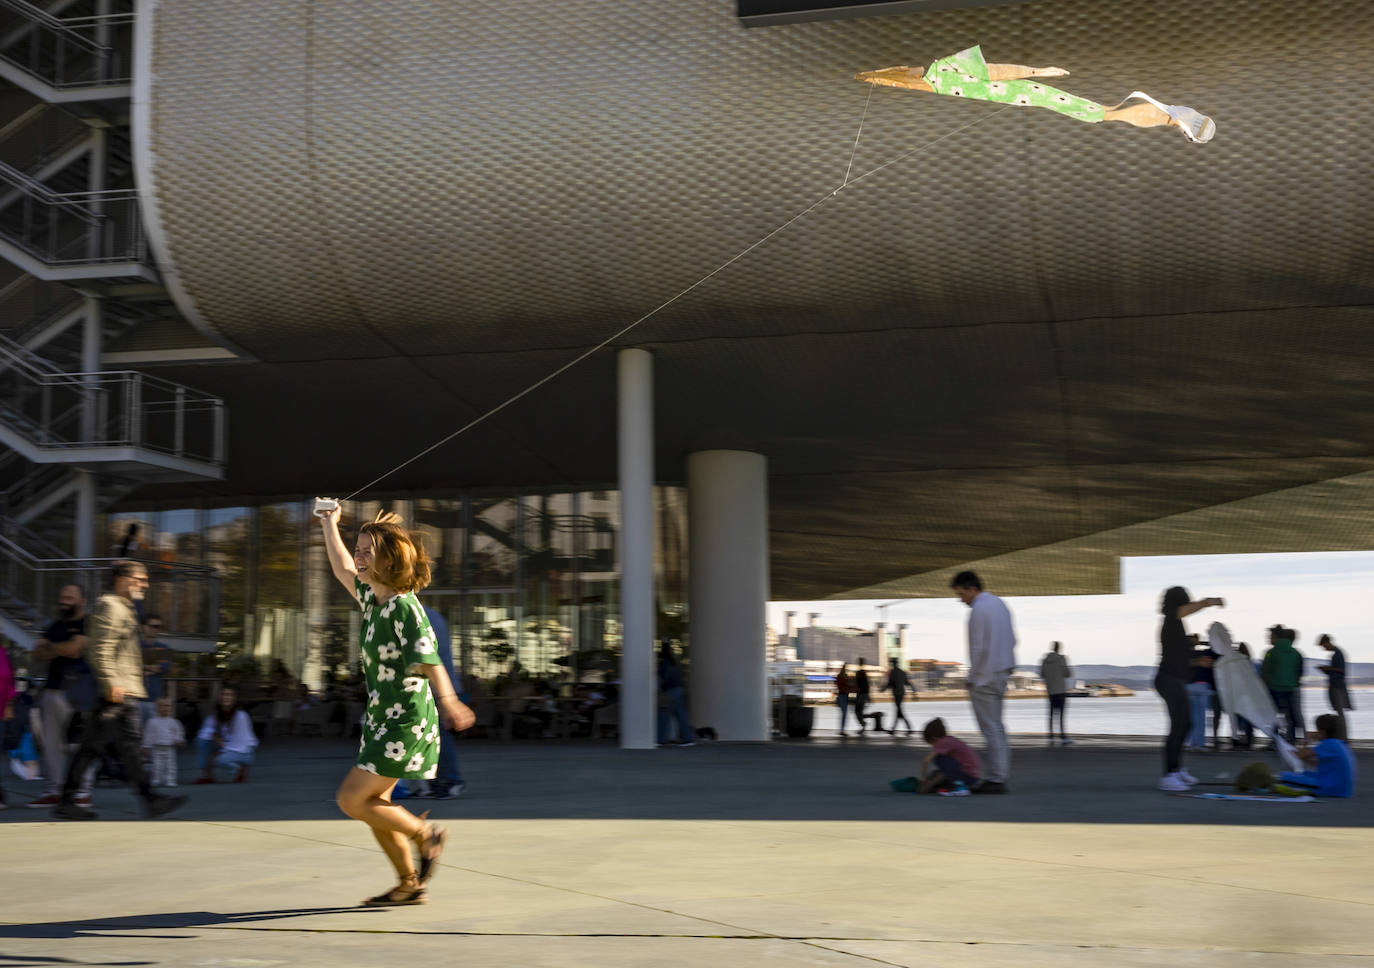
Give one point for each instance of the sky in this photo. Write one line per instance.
(1310, 592)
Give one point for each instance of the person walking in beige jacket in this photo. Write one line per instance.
(115, 656)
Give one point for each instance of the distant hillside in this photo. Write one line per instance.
(1125, 675)
(1139, 675)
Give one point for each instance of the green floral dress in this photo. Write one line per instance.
(965, 74)
(401, 731)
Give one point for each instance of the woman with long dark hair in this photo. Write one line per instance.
(226, 738)
(409, 691)
(1171, 681)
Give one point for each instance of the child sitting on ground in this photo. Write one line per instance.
(162, 735)
(1334, 773)
(950, 769)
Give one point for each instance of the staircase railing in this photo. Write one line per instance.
(78, 228)
(41, 135)
(58, 411)
(27, 489)
(185, 595)
(27, 304)
(67, 52)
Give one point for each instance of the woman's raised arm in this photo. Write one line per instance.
(340, 561)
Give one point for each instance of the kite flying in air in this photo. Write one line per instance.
(966, 74)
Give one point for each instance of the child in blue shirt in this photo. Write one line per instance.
(1334, 775)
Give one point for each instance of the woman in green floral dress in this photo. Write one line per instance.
(409, 695)
(966, 74)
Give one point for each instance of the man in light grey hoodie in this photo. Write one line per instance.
(1055, 673)
(115, 656)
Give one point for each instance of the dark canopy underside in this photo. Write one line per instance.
(1023, 331)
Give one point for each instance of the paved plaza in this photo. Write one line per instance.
(787, 854)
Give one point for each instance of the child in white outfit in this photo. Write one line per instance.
(162, 735)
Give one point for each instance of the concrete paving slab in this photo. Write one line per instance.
(718, 856)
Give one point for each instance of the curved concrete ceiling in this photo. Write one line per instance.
(1010, 329)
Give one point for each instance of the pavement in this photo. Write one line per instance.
(791, 853)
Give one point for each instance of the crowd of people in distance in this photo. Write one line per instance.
(1185, 680)
(856, 690)
(100, 712)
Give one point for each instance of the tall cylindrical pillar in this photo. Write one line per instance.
(638, 692)
(727, 495)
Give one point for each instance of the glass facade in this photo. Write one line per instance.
(532, 578)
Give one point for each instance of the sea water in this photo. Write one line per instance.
(1140, 715)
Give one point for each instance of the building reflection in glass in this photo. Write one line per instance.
(531, 579)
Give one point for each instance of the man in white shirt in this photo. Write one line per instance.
(991, 658)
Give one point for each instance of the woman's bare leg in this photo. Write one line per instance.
(367, 797)
(397, 850)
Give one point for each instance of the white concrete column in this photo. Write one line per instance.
(638, 689)
(727, 513)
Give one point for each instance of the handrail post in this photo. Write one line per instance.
(179, 419)
(219, 432)
(135, 414)
(102, 415)
(90, 363)
(97, 157)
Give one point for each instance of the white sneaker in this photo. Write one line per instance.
(1186, 777)
(1173, 783)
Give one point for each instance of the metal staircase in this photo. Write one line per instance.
(68, 52)
(70, 236)
(76, 436)
(59, 428)
(33, 570)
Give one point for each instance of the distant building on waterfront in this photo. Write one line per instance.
(937, 673)
(817, 643)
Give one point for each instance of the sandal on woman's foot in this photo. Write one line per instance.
(1196, 126)
(431, 843)
(401, 894)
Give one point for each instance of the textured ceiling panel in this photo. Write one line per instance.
(1070, 327)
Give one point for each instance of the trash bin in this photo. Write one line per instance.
(799, 720)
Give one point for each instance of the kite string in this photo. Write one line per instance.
(664, 305)
(858, 134)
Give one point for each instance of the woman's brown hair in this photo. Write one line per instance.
(398, 556)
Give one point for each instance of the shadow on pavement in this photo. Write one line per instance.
(102, 927)
(1087, 783)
